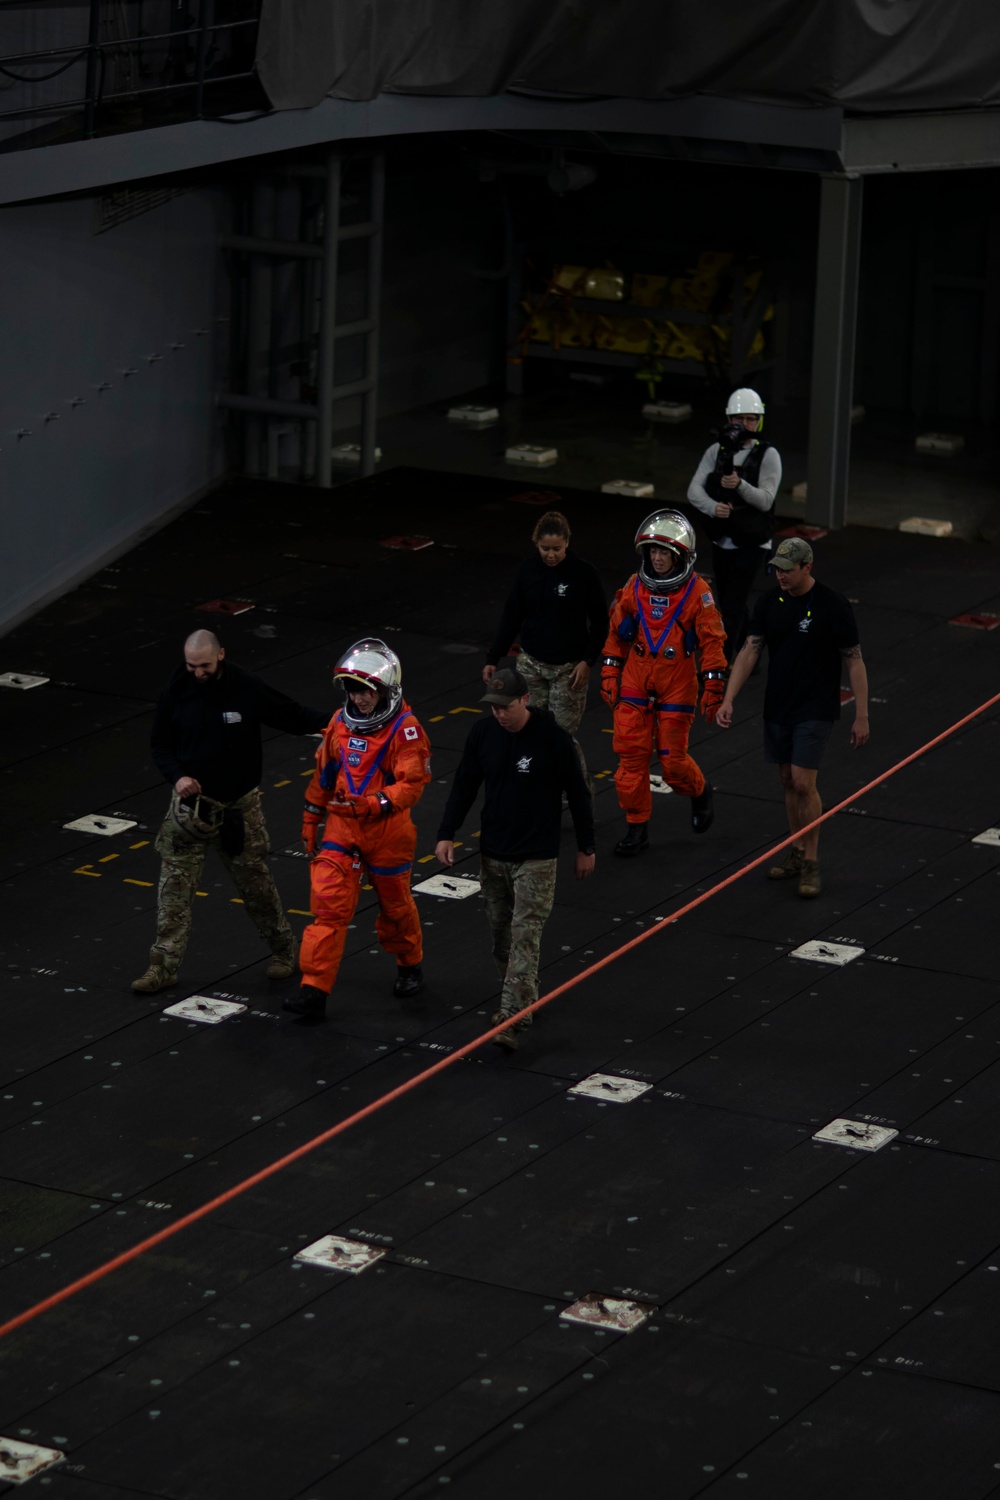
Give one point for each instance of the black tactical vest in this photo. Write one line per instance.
(747, 526)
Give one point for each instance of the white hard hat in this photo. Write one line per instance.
(744, 403)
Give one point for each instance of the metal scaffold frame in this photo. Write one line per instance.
(311, 357)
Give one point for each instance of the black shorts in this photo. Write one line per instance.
(796, 744)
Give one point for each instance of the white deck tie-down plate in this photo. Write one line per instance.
(452, 887)
(337, 1254)
(988, 836)
(631, 489)
(21, 680)
(533, 455)
(608, 1312)
(838, 954)
(205, 1008)
(20, 1462)
(100, 823)
(659, 786)
(858, 1134)
(474, 416)
(609, 1088)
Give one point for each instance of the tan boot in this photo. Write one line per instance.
(156, 978)
(809, 881)
(506, 1038)
(284, 965)
(790, 867)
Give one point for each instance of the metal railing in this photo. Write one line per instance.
(141, 63)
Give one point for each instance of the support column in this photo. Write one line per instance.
(369, 401)
(327, 323)
(834, 327)
(260, 308)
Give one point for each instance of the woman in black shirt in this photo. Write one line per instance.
(558, 612)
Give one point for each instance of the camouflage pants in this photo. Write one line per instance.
(518, 901)
(550, 689)
(183, 860)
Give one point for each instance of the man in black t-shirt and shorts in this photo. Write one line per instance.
(808, 630)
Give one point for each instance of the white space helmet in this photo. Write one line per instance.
(666, 528)
(370, 664)
(744, 403)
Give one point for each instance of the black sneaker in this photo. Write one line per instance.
(703, 810)
(409, 981)
(308, 1002)
(635, 840)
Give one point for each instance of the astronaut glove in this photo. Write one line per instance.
(311, 820)
(712, 693)
(611, 679)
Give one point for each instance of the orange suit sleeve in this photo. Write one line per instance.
(410, 764)
(702, 615)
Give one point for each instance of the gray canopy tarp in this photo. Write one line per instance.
(870, 56)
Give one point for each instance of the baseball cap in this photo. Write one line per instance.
(504, 686)
(792, 553)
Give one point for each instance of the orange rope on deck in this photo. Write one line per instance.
(105, 1269)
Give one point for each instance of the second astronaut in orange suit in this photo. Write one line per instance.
(371, 768)
(663, 615)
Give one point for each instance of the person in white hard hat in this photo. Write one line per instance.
(734, 487)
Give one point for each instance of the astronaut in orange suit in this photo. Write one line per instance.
(662, 616)
(371, 768)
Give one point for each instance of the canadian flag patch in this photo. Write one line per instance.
(411, 732)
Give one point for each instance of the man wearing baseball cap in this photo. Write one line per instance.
(526, 763)
(808, 630)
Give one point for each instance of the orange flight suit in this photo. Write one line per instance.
(366, 783)
(657, 634)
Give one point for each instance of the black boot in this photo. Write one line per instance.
(703, 810)
(409, 981)
(636, 839)
(308, 1002)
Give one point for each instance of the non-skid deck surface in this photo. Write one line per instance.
(822, 1321)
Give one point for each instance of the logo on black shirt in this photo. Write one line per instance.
(524, 764)
(562, 589)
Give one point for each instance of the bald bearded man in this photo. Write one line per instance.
(206, 741)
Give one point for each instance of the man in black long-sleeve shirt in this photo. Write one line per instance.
(558, 611)
(526, 762)
(206, 741)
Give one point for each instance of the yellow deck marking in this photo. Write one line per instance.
(201, 893)
(475, 835)
(599, 774)
(293, 911)
(286, 782)
(84, 871)
(127, 881)
(465, 710)
(306, 773)
(105, 858)
(366, 887)
(607, 731)
(436, 719)
(236, 901)
(140, 845)
(425, 859)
